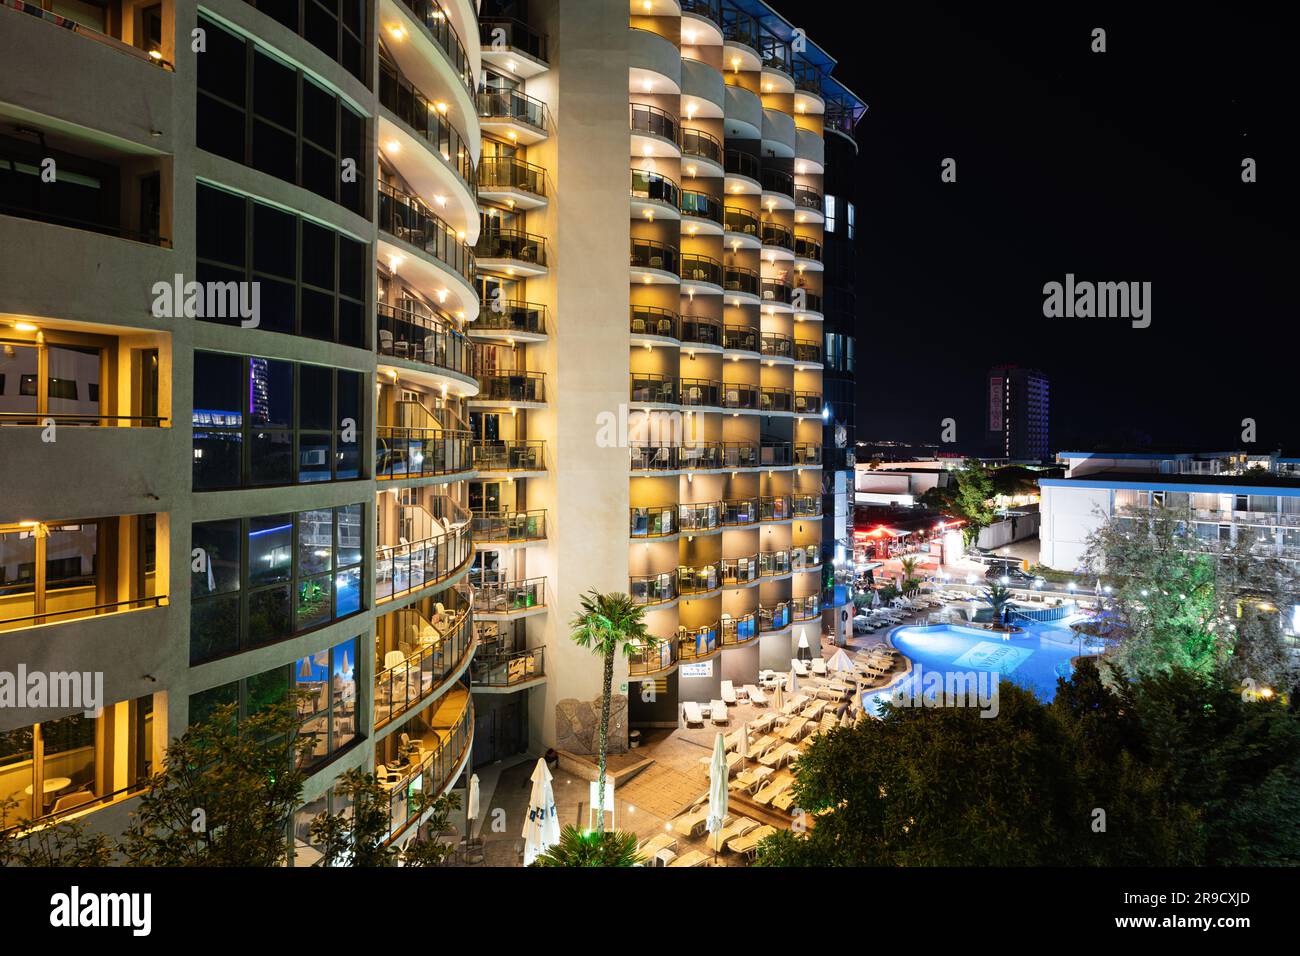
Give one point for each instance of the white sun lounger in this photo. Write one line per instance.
(693, 713)
(772, 789)
(794, 703)
(751, 779)
(819, 666)
(693, 858)
(750, 841)
(763, 723)
(739, 827)
(733, 761)
(756, 695)
(728, 692)
(692, 823)
(660, 841)
(718, 712)
(800, 668)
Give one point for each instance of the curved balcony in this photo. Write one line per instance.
(653, 129)
(701, 154)
(701, 270)
(651, 324)
(644, 661)
(775, 508)
(403, 452)
(778, 189)
(432, 15)
(739, 454)
(654, 195)
(778, 134)
(498, 599)
(738, 631)
(651, 388)
(654, 64)
(508, 671)
(807, 454)
(774, 618)
(740, 338)
(806, 303)
(699, 517)
(513, 46)
(774, 292)
(776, 345)
(743, 111)
(421, 37)
(508, 527)
(695, 581)
(741, 227)
(429, 152)
(513, 116)
(739, 281)
(809, 253)
(777, 239)
(435, 761)
(512, 252)
(659, 521)
(806, 506)
(652, 260)
(440, 251)
(743, 173)
(740, 396)
(435, 654)
(426, 341)
(807, 403)
(806, 557)
(703, 89)
(697, 643)
(810, 149)
(700, 332)
(774, 400)
(808, 352)
(407, 568)
(518, 456)
(512, 182)
(511, 320)
(651, 589)
(805, 608)
(701, 213)
(740, 572)
(700, 393)
(777, 454)
(693, 456)
(774, 564)
(738, 512)
(808, 202)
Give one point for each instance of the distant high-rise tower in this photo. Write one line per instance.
(1018, 412)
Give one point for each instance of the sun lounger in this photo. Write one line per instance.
(750, 841)
(762, 723)
(693, 713)
(782, 754)
(660, 841)
(794, 729)
(783, 801)
(800, 668)
(751, 779)
(718, 712)
(771, 790)
(814, 710)
(728, 692)
(756, 695)
(794, 704)
(738, 827)
(819, 666)
(733, 762)
(693, 858)
(690, 824)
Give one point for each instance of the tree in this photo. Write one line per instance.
(608, 625)
(226, 793)
(998, 597)
(594, 848)
(71, 843)
(972, 494)
(910, 581)
(359, 837)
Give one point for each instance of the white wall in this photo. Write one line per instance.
(1069, 515)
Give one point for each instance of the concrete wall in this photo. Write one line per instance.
(1069, 515)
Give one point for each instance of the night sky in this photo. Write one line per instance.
(1118, 166)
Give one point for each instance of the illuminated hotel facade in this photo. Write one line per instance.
(387, 487)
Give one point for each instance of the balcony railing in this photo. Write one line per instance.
(739, 511)
(653, 388)
(653, 588)
(512, 386)
(740, 395)
(741, 338)
(656, 522)
(653, 660)
(773, 290)
(403, 568)
(742, 164)
(739, 454)
(440, 653)
(805, 608)
(775, 234)
(740, 220)
(509, 669)
(776, 345)
(774, 618)
(652, 120)
(807, 453)
(739, 630)
(430, 770)
(700, 392)
(509, 527)
(773, 563)
(806, 198)
(699, 143)
(517, 454)
(739, 27)
(406, 217)
(777, 454)
(738, 571)
(151, 55)
(691, 456)
(807, 351)
(512, 315)
(426, 339)
(510, 597)
(652, 254)
(807, 506)
(74, 611)
(515, 33)
(807, 77)
(701, 269)
(709, 9)
(776, 399)
(404, 452)
(413, 108)
(805, 557)
(776, 55)
(655, 187)
(82, 420)
(507, 172)
(512, 244)
(805, 300)
(700, 516)
(805, 248)
(694, 643)
(699, 580)
(700, 330)
(435, 20)
(742, 280)
(807, 403)
(778, 181)
(512, 106)
(701, 205)
(652, 320)
(774, 508)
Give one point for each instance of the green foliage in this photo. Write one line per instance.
(1184, 772)
(593, 848)
(998, 597)
(357, 838)
(910, 580)
(71, 843)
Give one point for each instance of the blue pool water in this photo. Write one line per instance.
(1032, 659)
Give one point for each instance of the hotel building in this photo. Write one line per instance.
(390, 477)
(1018, 404)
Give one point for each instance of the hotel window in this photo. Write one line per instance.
(829, 202)
(311, 279)
(70, 763)
(337, 29)
(53, 571)
(263, 112)
(256, 581)
(849, 215)
(268, 422)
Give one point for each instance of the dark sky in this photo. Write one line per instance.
(1118, 166)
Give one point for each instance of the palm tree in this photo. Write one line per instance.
(910, 580)
(608, 624)
(591, 849)
(998, 597)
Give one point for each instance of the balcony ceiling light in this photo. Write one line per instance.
(647, 85)
(24, 327)
(690, 170)
(442, 295)
(397, 31)
(393, 146)
(441, 107)
(689, 35)
(511, 65)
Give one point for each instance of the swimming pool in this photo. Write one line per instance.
(1033, 658)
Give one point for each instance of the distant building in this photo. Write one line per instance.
(1017, 420)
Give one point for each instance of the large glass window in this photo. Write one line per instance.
(255, 581)
(259, 110)
(301, 423)
(335, 27)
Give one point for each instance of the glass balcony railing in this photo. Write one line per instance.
(517, 454)
(773, 563)
(776, 345)
(507, 669)
(434, 18)
(652, 320)
(740, 395)
(97, 27)
(512, 106)
(507, 172)
(805, 300)
(511, 315)
(652, 254)
(406, 217)
(512, 244)
(699, 580)
(701, 269)
(709, 9)
(807, 453)
(653, 388)
(414, 109)
(702, 206)
(805, 608)
(508, 386)
(697, 642)
(774, 618)
(739, 630)
(647, 456)
(81, 419)
(777, 454)
(805, 557)
(778, 181)
(806, 248)
(774, 290)
(776, 399)
(404, 452)
(739, 27)
(807, 403)
(655, 187)
(404, 568)
(700, 144)
(807, 77)
(699, 330)
(425, 339)
(774, 508)
(652, 660)
(776, 55)
(509, 527)
(403, 685)
(740, 220)
(738, 571)
(654, 522)
(737, 163)
(775, 234)
(430, 766)
(740, 338)
(742, 280)
(653, 588)
(700, 392)
(806, 506)
(652, 120)
(739, 454)
(509, 597)
(807, 351)
(739, 511)
(806, 198)
(700, 516)
(515, 34)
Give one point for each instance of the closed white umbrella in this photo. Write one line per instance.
(718, 774)
(472, 798)
(845, 720)
(778, 697)
(742, 746)
(875, 599)
(542, 827)
(792, 682)
(840, 663)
